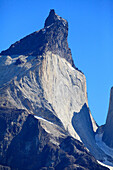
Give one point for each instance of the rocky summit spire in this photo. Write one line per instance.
(54, 18)
(53, 37)
(51, 18)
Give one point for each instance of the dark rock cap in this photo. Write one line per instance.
(51, 18)
(53, 37)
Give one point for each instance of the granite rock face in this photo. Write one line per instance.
(47, 83)
(43, 104)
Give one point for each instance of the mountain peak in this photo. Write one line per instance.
(53, 37)
(53, 18)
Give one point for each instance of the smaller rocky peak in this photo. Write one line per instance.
(107, 135)
(54, 18)
(111, 101)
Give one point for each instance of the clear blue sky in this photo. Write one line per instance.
(90, 39)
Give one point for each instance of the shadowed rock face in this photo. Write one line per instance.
(108, 135)
(82, 123)
(52, 38)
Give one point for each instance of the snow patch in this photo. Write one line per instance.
(105, 164)
(40, 118)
